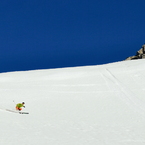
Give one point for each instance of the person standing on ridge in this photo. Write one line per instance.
(19, 106)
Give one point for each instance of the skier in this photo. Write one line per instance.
(19, 106)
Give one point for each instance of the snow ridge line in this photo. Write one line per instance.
(128, 96)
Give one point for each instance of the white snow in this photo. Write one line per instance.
(92, 105)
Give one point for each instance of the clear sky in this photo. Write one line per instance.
(43, 34)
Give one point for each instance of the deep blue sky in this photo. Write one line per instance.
(43, 34)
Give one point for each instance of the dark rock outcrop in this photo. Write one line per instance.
(139, 54)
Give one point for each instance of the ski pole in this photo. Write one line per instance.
(14, 102)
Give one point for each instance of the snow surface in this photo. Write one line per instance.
(92, 105)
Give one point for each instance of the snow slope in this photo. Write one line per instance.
(92, 105)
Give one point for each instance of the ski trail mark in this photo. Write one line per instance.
(127, 95)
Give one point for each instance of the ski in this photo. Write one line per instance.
(23, 113)
(16, 111)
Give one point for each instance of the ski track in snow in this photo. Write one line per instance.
(127, 95)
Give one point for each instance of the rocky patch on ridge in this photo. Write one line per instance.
(139, 54)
